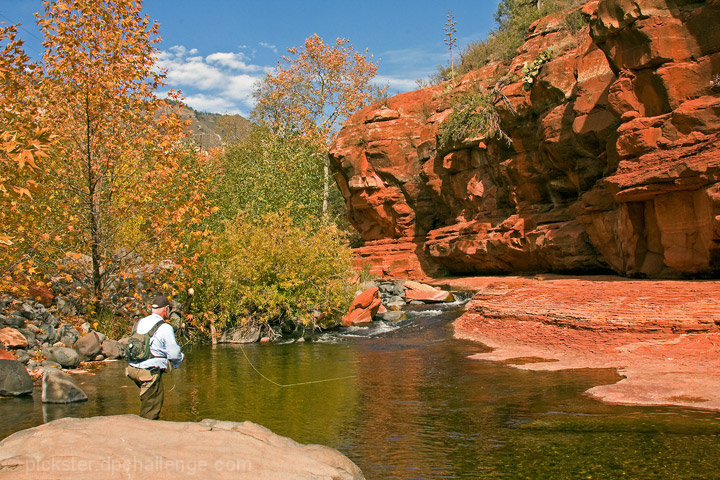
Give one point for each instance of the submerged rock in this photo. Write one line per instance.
(58, 387)
(141, 448)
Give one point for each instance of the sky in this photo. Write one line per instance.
(214, 51)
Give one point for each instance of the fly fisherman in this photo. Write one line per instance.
(151, 350)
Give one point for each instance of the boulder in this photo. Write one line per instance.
(47, 334)
(14, 379)
(67, 357)
(15, 320)
(67, 330)
(240, 334)
(88, 346)
(29, 337)
(112, 349)
(64, 307)
(7, 355)
(363, 307)
(215, 450)
(426, 293)
(22, 356)
(58, 387)
(26, 310)
(12, 338)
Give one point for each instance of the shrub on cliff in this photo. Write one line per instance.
(270, 270)
(513, 19)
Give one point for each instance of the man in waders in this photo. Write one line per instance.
(146, 368)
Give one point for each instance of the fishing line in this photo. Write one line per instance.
(292, 384)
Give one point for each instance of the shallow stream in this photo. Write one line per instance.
(416, 408)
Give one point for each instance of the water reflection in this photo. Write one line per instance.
(418, 408)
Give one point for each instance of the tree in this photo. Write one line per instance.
(22, 145)
(450, 40)
(313, 91)
(111, 181)
(270, 172)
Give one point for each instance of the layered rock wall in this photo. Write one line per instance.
(613, 161)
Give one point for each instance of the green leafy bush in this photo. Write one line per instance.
(271, 270)
(267, 173)
(473, 115)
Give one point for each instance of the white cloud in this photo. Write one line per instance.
(269, 46)
(208, 103)
(218, 82)
(235, 61)
(395, 84)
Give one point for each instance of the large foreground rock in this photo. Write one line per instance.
(14, 378)
(140, 448)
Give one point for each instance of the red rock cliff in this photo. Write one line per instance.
(614, 162)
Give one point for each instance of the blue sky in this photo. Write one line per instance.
(216, 50)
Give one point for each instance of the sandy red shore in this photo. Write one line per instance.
(662, 336)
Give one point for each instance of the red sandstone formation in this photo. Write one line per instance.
(363, 308)
(426, 293)
(614, 162)
(662, 336)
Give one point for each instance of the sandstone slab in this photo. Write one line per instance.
(140, 448)
(662, 336)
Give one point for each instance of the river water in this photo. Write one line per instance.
(416, 407)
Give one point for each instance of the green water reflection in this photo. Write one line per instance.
(418, 408)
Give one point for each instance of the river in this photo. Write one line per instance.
(415, 408)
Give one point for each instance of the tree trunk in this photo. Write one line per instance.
(326, 187)
(93, 206)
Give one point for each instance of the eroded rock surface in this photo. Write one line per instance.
(662, 336)
(127, 446)
(614, 161)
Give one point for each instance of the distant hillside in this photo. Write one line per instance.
(211, 130)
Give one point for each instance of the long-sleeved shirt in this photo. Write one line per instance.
(163, 345)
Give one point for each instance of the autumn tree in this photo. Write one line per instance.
(313, 90)
(23, 143)
(119, 179)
